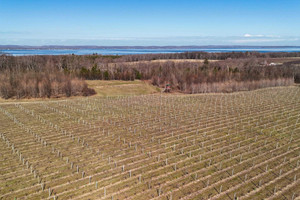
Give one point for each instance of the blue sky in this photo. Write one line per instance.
(150, 22)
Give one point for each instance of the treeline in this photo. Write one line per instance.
(206, 55)
(195, 77)
(88, 61)
(223, 76)
(41, 84)
(233, 72)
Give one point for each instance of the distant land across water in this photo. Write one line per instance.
(126, 50)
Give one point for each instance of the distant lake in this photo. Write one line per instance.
(22, 52)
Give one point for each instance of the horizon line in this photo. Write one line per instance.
(146, 46)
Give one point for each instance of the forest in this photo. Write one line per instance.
(64, 75)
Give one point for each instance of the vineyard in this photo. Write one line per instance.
(243, 145)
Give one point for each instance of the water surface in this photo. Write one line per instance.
(21, 52)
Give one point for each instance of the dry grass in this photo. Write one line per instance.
(121, 88)
(170, 60)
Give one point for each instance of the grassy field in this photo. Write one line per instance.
(172, 60)
(121, 88)
(243, 145)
